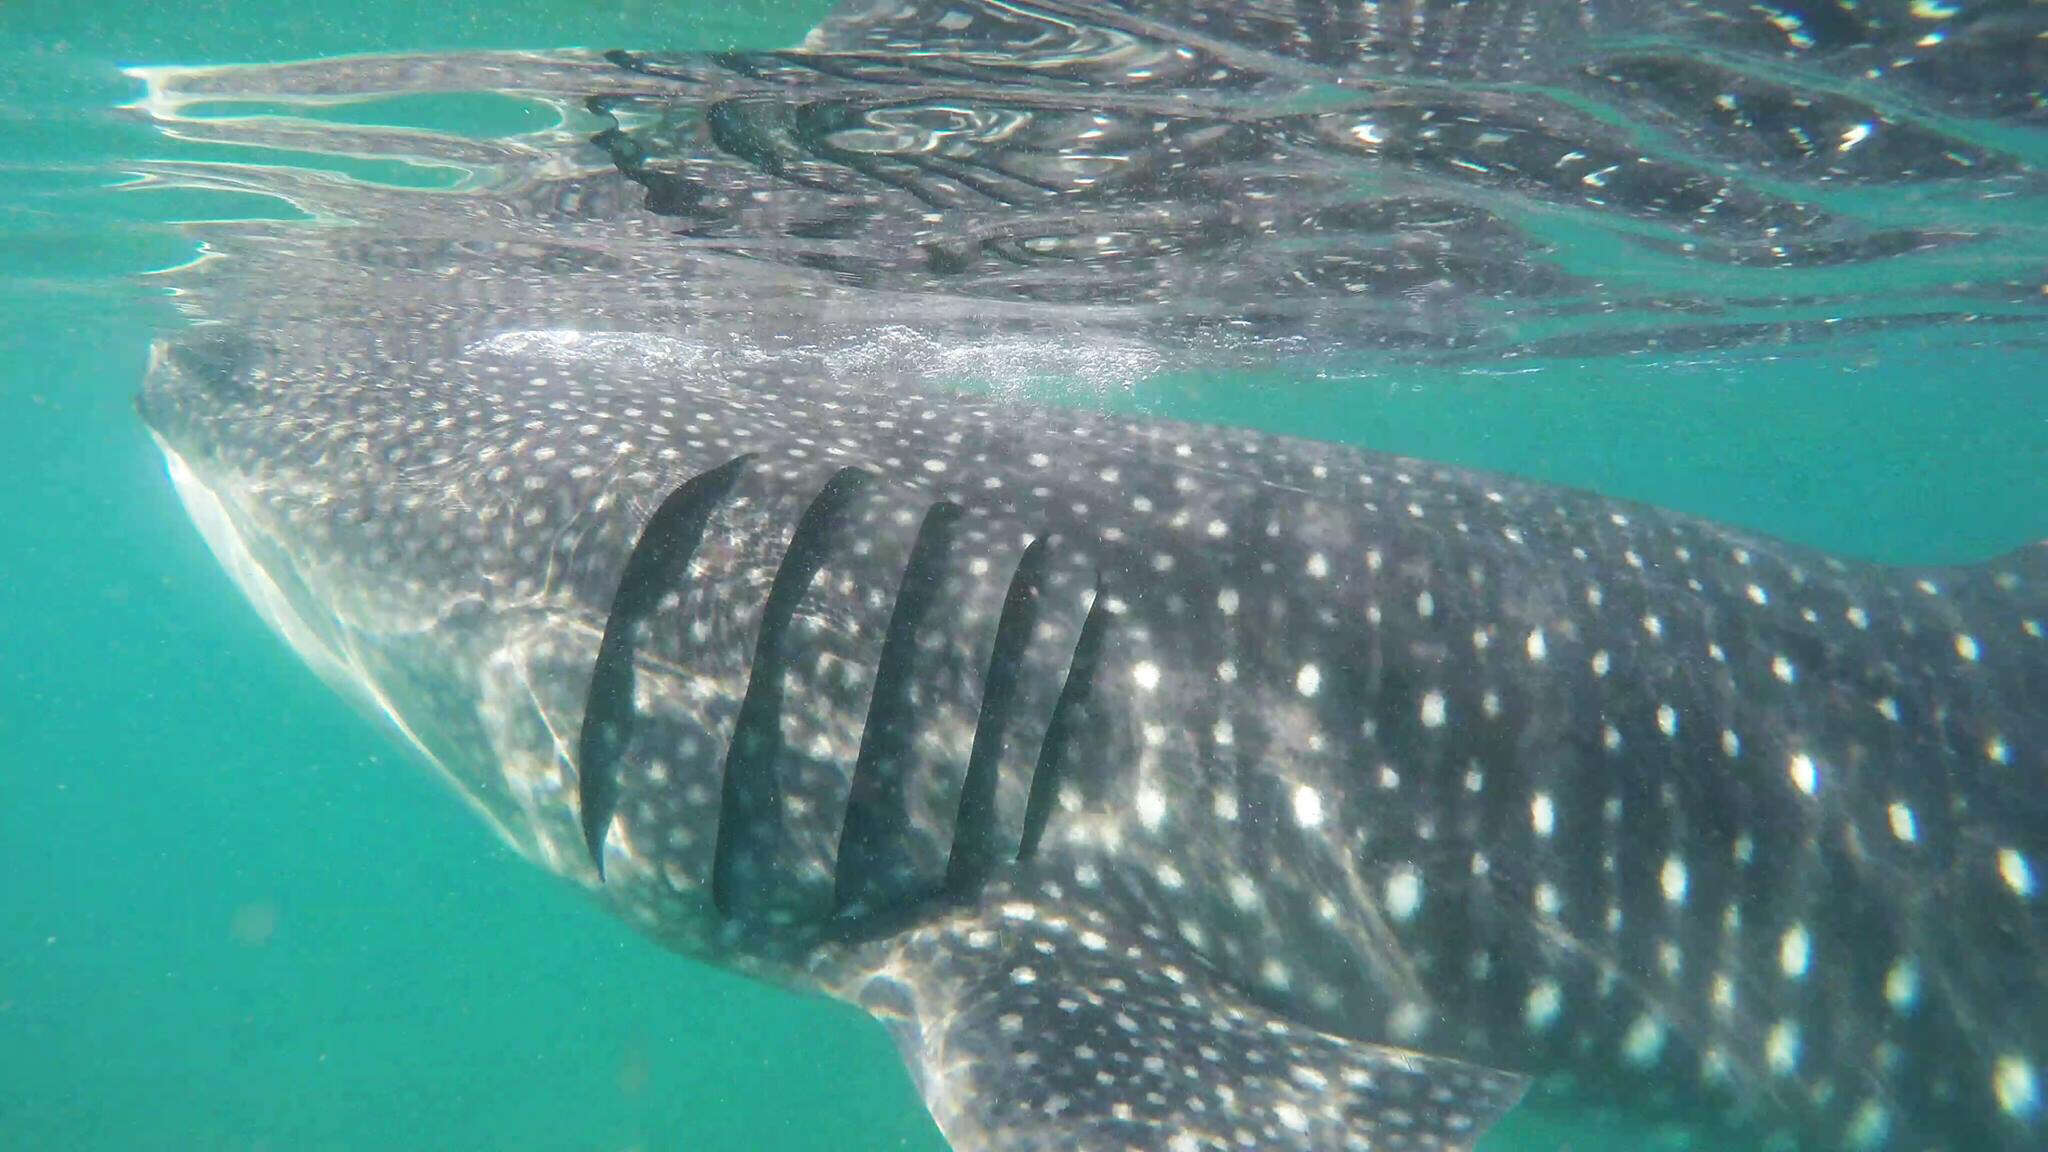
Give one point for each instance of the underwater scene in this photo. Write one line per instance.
(1119, 575)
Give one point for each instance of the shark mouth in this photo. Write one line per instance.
(270, 580)
(284, 603)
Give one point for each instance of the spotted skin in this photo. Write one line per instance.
(1517, 776)
(1159, 786)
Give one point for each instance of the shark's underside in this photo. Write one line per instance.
(1167, 787)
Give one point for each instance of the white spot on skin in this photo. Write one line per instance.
(1274, 974)
(1858, 618)
(1782, 668)
(1433, 709)
(1889, 709)
(1905, 829)
(1318, 565)
(1309, 680)
(1723, 994)
(1244, 893)
(1731, 743)
(1226, 601)
(1602, 662)
(2017, 1085)
(1673, 880)
(1425, 605)
(1224, 805)
(1805, 774)
(1544, 1005)
(1308, 807)
(1644, 1041)
(1151, 807)
(1404, 893)
(1795, 952)
(1146, 675)
(1781, 1048)
(1667, 720)
(1543, 814)
(1869, 1127)
(2016, 872)
(1537, 647)
(1902, 986)
(1714, 1064)
(1966, 647)
(1548, 902)
(1290, 1116)
(1408, 1022)
(1997, 750)
(1653, 626)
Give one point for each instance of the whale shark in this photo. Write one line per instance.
(1158, 785)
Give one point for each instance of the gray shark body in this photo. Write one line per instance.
(1364, 748)
(1162, 787)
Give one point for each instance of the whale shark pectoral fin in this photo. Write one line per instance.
(1027, 1030)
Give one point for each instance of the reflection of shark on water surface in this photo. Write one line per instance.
(1164, 787)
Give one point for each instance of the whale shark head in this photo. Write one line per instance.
(449, 539)
(418, 543)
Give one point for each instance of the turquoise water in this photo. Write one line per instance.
(234, 916)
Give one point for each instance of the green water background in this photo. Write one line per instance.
(234, 916)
